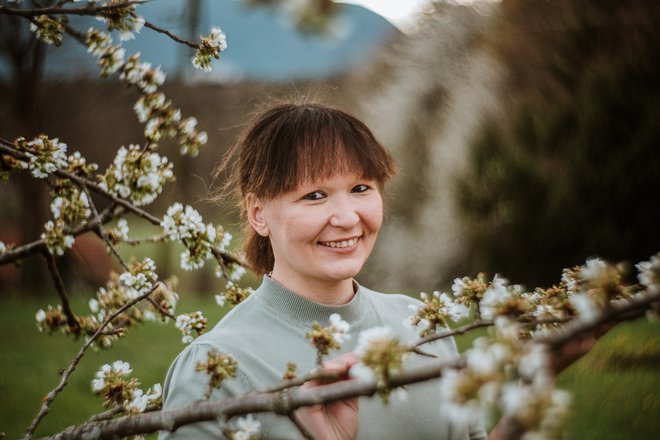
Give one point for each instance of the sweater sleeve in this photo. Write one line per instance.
(184, 386)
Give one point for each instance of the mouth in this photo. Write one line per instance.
(340, 244)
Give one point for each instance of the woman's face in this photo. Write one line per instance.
(322, 232)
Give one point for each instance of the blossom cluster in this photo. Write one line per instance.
(118, 391)
(119, 290)
(209, 47)
(233, 271)
(141, 74)
(45, 155)
(137, 175)
(139, 278)
(70, 205)
(78, 165)
(55, 237)
(436, 311)
(163, 120)
(110, 57)
(219, 367)
(51, 319)
(233, 294)
(123, 20)
(503, 371)
(189, 323)
(120, 232)
(328, 338)
(48, 29)
(381, 354)
(200, 239)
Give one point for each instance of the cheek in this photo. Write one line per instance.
(373, 215)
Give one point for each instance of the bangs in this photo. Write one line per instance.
(298, 144)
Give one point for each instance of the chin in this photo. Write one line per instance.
(343, 273)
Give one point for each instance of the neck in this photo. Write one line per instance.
(330, 293)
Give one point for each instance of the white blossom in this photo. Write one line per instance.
(534, 362)
(586, 308)
(487, 358)
(247, 427)
(362, 372)
(40, 316)
(649, 273)
(339, 328)
(138, 404)
(593, 270)
(188, 323)
(122, 229)
(369, 336)
(496, 294)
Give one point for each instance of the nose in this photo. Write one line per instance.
(344, 213)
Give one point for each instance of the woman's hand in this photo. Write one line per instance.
(337, 420)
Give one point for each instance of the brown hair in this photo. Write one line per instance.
(291, 144)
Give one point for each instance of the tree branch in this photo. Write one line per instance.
(249, 403)
(273, 400)
(10, 149)
(626, 310)
(74, 363)
(40, 245)
(59, 10)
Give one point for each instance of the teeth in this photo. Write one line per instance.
(340, 244)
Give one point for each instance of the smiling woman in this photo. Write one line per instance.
(309, 179)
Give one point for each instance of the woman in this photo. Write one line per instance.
(310, 179)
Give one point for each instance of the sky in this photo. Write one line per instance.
(401, 13)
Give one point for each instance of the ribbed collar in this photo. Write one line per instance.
(301, 311)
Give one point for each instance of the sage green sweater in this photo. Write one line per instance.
(267, 330)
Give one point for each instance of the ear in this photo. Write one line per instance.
(255, 215)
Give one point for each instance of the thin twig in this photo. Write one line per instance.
(138, 241)
(74, 363)
(161, 310)
(106, 415)
(457, 331)
(152, 26)
(71, 319)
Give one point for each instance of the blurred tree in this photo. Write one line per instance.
(572, 171)
(24, 58)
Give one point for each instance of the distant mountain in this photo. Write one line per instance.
(262, 42)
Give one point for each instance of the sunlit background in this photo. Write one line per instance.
(526, 135)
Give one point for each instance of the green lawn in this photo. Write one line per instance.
(616, 387)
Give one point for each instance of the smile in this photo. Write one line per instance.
(340, 244)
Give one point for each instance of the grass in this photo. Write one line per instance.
(616, 387)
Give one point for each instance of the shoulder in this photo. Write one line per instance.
(390, 302)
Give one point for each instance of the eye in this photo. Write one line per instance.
(360, 188)
(316, 195)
